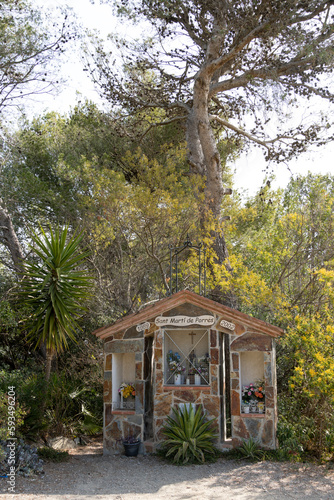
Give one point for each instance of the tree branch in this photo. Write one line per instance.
(325, 94)
(262, 73)
(240, 131)
(224, 59)
(321, 8)
(160, 124)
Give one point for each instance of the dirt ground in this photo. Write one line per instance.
(89, 474)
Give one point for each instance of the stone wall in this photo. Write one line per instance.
(168, 397)
(261, 427)
(118, 424)
(151, 391)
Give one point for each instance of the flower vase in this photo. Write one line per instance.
(197, 379)
(253, 407)
(246, 409)
(177, 379)
(130, 403)
(260, 407)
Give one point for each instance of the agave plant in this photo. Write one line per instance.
(251, 449)
(190, 437)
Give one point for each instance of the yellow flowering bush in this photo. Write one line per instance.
(309, 344)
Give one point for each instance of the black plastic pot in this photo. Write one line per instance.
(131, 449)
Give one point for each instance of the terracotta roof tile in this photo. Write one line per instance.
(186, 296)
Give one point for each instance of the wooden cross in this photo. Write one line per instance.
(192, 336)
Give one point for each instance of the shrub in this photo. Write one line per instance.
(308, 395)
(190, 438)
(2, 454)
(251, 449)
(19, 416)
(308, 399)
(292, 437)
(66, 407)
(30, 394)
(52, 455)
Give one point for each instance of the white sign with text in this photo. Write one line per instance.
(143, 326)
(227, 325)
(204, 320)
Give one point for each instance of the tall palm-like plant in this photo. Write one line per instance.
(55, 289)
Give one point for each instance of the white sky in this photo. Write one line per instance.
(250, 168)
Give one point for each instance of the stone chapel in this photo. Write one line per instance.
(188, 349)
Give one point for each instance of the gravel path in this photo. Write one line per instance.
(89, 474)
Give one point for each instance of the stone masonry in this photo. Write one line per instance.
(155, 398)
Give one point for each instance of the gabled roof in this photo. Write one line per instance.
(182, 297)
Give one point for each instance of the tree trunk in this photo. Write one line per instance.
(204, 159)
(10, 239)
(48, 363)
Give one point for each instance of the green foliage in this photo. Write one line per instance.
(30, 393)
(20, 413)
(161, 206)
(190, 438)
(306, 356)
(67, 407)
(251, 449)
(91, 424)
(48, 157)
(52, 455)
(54, 288)
(14, 347)
(28, 45)
(284, 239)
(311, 341)
(131, 204)
(71, 408)
(2, 454)
(292, 437)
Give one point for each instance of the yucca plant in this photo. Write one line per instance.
(55, 289)
(190, 437)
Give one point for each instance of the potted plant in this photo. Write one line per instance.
(131, 445)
